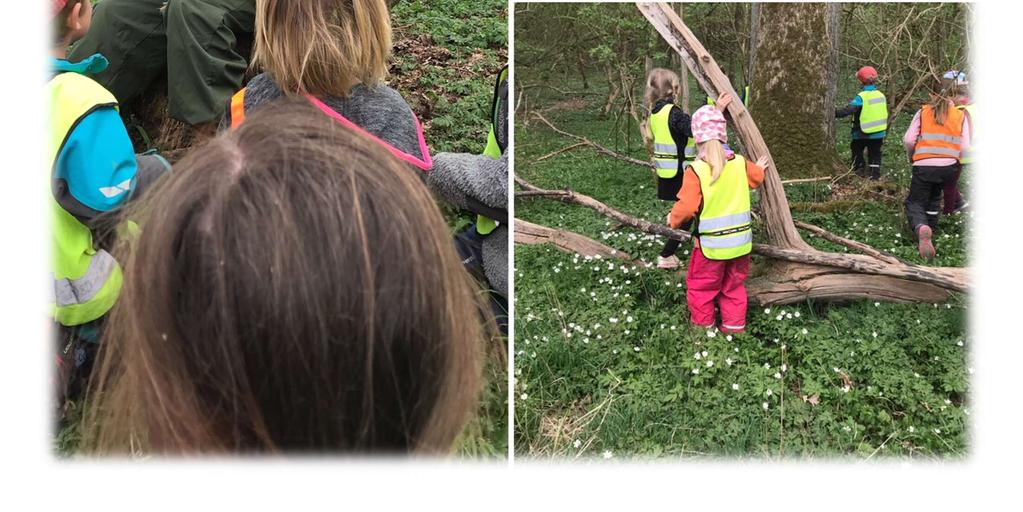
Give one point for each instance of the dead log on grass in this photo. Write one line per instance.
(528, 233)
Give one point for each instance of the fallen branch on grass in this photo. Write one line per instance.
(527, 233)
(570, 196)
(852, 244)
(560, 151)
(805, 180)
(831, 268)
(594, 145)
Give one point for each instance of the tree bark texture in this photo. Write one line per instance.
(796, 72)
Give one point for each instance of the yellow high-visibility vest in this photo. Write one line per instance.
(87, 281)
(724, 224)
(665, 149)
(874, 113)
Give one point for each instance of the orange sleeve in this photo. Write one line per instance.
(689, 199)
(755, 174)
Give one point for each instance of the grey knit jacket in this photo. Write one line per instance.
(455, 177)
(379, 110)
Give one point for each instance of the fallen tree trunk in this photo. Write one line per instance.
(624, 219)
(527, 233)
(804, 274)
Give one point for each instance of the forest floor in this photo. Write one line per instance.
(445, 63)
(607, 364)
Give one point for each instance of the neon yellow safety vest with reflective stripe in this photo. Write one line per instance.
(665, 149)
(87, 281)
(724, 224)
(874, 113)
(967, 156)
(486, 225)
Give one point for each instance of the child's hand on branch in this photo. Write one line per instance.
(723, 101)
(762, 162)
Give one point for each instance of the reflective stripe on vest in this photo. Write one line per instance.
(723, 225)
(967, 156)
(690, 151)
(938, 136)
(665, 148)
(939, 140)
(717, 224)
(72, 98)
(83, 289)
(874, 113)
(238, 108)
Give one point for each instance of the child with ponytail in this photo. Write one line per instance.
(673, 144)
(715, 192)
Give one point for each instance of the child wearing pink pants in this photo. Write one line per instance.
(715, 190)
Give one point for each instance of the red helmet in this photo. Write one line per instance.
(867, 74)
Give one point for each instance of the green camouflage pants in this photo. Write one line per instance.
(191, 42)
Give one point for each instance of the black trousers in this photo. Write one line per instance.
(873, 161)
(923, 205)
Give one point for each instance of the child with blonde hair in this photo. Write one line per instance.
(262, 311)
(673, 144)
(715, 192)
(335, 53)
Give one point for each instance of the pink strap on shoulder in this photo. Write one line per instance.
(425, 164)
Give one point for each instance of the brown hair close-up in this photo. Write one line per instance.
(292, 288)
(322, 47)
(661, 84)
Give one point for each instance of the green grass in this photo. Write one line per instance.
(607, 364)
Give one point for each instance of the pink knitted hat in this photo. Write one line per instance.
(708, 123)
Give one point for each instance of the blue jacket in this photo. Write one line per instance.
(854, 110)
(95, 169)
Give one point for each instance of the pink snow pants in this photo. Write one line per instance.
(717, 281)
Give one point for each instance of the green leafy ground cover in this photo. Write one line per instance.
(607, 365)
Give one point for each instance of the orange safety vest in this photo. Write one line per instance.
(238, 108)
(939, 140)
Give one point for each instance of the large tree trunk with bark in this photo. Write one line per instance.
(796, 70)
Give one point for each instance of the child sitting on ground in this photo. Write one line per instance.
(94, 171)
(715, 191)
(673, 145)
(334, 52)
(263, 311)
